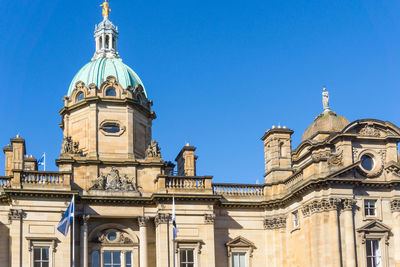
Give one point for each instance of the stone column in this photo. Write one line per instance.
(143, 241)
(349, 243)
(210, 241)
(162, 241)
(333, 206)
(15, 218)
(84, 240)
(395, 207)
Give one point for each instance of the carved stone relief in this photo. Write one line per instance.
(209, 218)
(369, 130)
(320, 205)
(275, 222)
(395, 205)
(153, 150)
(161, 218)
(118, 237)
(113, 182)
(69, 146)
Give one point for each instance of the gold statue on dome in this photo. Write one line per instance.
(106, 9)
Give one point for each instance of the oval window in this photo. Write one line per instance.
(111, 92)
(112, 236)
(111, 128)
(79, 97)
(367, 162)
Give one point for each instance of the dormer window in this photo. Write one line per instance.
(79, 97)
(111, 92)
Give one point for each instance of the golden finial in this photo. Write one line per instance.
(106, 9)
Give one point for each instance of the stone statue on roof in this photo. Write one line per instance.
(325, 99)
(106, 9)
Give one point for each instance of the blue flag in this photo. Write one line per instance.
(174, 227)
(67, 218)
(41, 160)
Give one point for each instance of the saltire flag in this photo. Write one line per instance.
(174, 228)
(67, 218)
(41, 160)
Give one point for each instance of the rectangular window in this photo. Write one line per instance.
(370, 208)
(374, 258)
(187, 257)
(112, 259)
(238, 259)
(128, 259)
(41, 256)
(295, 219)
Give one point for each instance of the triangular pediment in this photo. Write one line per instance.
(374, 226)
(240, 242)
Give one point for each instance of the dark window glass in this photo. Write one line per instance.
(367, 162)
(95, 259)
(111, 128)
(41, 257)
(112, 236)
(187, 258)
(111, 92)
(79, 97)
(128, 259)
(112, 259)
(373, 253)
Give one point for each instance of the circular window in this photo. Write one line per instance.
(112, 236)
(367, 162)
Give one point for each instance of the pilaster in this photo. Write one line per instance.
(395, 208)
(162, 239)
(349, 242)
(143, 241)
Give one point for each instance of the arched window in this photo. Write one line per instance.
(280, 150)
(101, 42)
(111, 92)
(107, 41)
(79, 97)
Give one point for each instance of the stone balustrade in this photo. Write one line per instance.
(184, 184)
(293, 180)
(5, 181)
(42, 180)
(238, 189)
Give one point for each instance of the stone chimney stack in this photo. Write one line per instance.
(18, 152)
(8, 154)
(186, 161)
(278, 154)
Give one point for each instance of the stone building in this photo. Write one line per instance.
(332, 201)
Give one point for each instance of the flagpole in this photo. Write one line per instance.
(73, 232)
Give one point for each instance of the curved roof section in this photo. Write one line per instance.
(98, 70)
(325, 122)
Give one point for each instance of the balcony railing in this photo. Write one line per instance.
(238, 189)
(293, 180)
(42, 178)
(192, 184)
(5, 181)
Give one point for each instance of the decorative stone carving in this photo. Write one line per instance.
(375, 229)
(348, 204)
(320, 156)
(209, 218)
(394, 168)
(395, 205)
(143, 221)
(69, 146)
(161, 218)
(15, 214)
(320, 205)
(368, 130)
(336, 159)
(120, 238)
(240, 242)
(113, 182)
(275, 222)
(153, 150)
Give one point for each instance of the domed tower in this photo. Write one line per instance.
(107, 117)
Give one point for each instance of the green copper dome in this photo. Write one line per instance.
(99, 69)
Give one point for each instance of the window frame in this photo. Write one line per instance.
(295, 219)
(375, 201)
(239, 253)
(194, 245)
(378, 203)
(40, 242)
(186, 262)
(240, 245)
(368, 242)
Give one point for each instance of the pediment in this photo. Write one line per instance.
(374, 226)
(372, 128)
(240, 242)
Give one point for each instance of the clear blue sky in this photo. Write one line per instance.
(219, 72)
